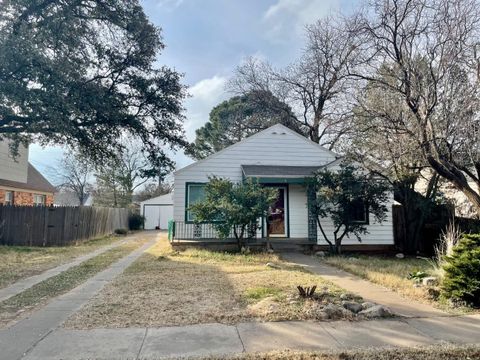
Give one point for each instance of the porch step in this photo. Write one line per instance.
(289, 247)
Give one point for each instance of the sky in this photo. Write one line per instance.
(207, 39)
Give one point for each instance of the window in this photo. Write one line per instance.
(8, 197)
(359, 212)
(195, 194)
(39, 200)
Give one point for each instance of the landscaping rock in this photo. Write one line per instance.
(417, 285)
(272, 265)
(333, 311)
(367, 305)
(400, 256)
(320, 254)
(377, 311)
(429, 281)
(346, 296)
(352, 306)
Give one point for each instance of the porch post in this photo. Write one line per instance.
(312, 221)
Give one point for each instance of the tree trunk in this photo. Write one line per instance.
(457, 178)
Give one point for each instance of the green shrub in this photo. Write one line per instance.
(121, 231)
(136, 221)
(462, 271)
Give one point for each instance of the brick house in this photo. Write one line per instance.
(20, 182)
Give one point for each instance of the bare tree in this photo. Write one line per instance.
(74, 174)
(314, 86)
(425, 55)
(117, 179)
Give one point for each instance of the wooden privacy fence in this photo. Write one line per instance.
(57, 226)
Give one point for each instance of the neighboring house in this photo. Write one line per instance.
(70, 198)
(20, 182)
(463, 207)
(280, 158)
(158, 211)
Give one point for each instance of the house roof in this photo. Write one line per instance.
(35, 181)
(273, 171)
(276, 127)
(166, 199)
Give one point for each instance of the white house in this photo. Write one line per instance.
(158, 211)
(277, 157)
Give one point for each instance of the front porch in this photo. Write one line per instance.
(184, 233)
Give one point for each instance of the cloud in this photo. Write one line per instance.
(287, 18)
(205, 94)
(169, 4)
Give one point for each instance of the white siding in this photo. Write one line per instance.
(274, 146)
(378, 233)
(10, 169)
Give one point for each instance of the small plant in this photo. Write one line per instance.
(121, 231)
(306, 292)
(462, 271)
(136, 221)
(417, 276)
(448, 239)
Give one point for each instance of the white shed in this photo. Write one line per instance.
(158, 211)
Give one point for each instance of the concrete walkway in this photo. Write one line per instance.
(20, 338)
(24, 284)
(366, 289)
(219, 339)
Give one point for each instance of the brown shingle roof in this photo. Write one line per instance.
(35, 181)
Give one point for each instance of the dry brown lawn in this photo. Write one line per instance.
(437, 352)
(24, 303)
(18, 262)
(165, 288)
(386, 271)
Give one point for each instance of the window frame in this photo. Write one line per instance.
(187, 204)
(44, 200)
(12, 197)
(366, 221)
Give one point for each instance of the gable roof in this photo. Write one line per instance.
(35, 181)
(276, 127)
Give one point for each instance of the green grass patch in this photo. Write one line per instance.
(40, 293)
(260, 292)
(227, 257)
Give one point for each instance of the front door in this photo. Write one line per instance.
(276, 219)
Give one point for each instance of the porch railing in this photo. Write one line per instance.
(179, 230)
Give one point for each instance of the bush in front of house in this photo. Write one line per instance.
(121, 231)
(136, 221)
(462, 271)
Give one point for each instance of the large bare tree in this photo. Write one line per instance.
(424, 55)
(314, 86)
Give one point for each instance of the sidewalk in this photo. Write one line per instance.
(219, 339)
(367, 290)
(24, 284)
(18, 339)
